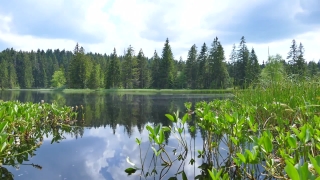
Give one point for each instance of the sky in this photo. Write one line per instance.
(101, 25)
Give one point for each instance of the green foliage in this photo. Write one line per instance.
(217, 67)
(202, 79)
(166, 70)
(191, 70)
(129, 70)
(23, 126)
(274, 71)
(144, 78)
(58, 79)
(94, 80)
(79, 70)
(114, 73)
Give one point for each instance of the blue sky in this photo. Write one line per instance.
(101, 25)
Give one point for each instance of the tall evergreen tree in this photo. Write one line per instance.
(4, 74)
(129, 69)
(94, 80)
(24, 70)
(167, 67)
(114, 73)
(312, 69)
(301, 64)
(292, 58)
(192, 67)
(155, 73)
(233, 61)
(218, 70)
(241, 64)
(253, 68)
(202, 62)
(79, 70)
(143, 72)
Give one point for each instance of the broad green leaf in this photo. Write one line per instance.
(184, 176)
(229, 118)
(292, 171)
(138, 141)
(212, 175)
(241, 157)
(150, 129)
(166, 128)
(315, 162)
(156, 129)
(3, 126)
(170, 117)
(292, 142)
(130, 170)
(161, 136)
(184, 118)
(267, 144)
(4, 145)
(304, 171)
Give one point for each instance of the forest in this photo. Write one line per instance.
(208, 68)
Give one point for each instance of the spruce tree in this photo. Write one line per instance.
(155, 73)
(300, 63)
(192, 67)
(129, 69)
(114, 73)
(292, 58)
(143, 72)
(218, 70)
(241, 64)
(166, 67)
(202, 62)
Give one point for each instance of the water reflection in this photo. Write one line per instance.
(112, 122)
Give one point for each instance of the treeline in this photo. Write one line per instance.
(206, 69)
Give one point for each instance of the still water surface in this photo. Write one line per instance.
(111, 124)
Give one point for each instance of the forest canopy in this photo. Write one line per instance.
(204, 68)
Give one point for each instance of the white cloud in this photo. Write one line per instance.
(103, 25)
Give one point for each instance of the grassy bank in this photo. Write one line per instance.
(138, 91)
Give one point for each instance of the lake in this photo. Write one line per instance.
(107, 136)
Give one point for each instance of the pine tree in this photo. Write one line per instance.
(301, 64)
(143, 72)
(94, 80)
(24, 70)
(155, 73)
(241, 64)
(233, 61)
(312, 69)
(4, 74)
(292, 58)
(167, 67)
(129, 70)
(253, 68)
(192, 67)
(79, 70)
(114, 73)
(202, 62)
(218, 71)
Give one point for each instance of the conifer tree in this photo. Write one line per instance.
(129, 69)
(155, 73)
(114, 73)
(167, 67)
(202, 62)
(143, 72)
(191, 67)
(241, 64)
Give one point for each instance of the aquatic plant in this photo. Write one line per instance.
(268, 132)
(24, 125)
